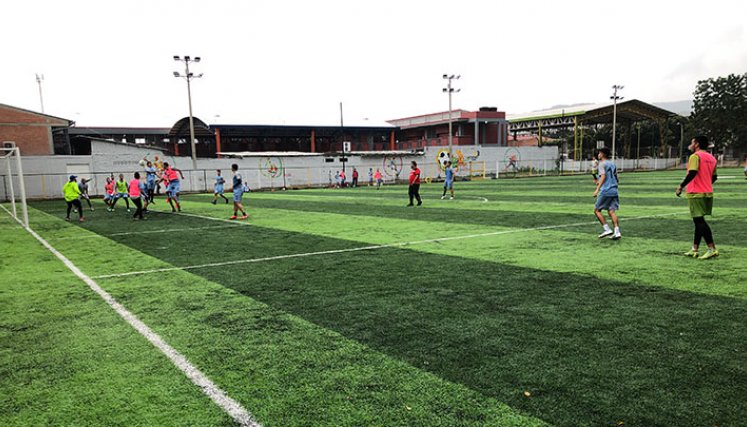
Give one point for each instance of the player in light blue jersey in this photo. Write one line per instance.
(607, 195)
(449, 181)
(218, 189)
(150, 180)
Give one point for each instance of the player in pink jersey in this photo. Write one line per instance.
(698, 184)
(173, 188)
(134, 192)
(109, 193)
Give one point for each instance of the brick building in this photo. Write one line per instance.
(487, 126)
(36, 134)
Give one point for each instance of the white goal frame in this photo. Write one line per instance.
(7, 153)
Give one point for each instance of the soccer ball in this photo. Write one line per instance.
(443, 157)
(142, 163)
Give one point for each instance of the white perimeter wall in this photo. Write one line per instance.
(45, 175)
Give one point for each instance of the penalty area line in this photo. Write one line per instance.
(240, 415)
(362, 248)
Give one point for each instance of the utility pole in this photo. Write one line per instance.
(342, 137)
(448, 89)
(682, 140)
(39, 80)
(614, 99)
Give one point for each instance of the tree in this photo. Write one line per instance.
(720, 111)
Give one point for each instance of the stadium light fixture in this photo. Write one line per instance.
(614, 99)
(188, 76)
(450, 90)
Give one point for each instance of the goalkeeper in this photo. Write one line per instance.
(72, 194)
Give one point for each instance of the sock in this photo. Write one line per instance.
(606, 227)
(617, 230)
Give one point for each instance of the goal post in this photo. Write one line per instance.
(477, 169)
(11, 156)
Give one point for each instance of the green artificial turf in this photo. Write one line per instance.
(500, 324)
(66, 358)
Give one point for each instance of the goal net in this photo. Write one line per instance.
(13, 187)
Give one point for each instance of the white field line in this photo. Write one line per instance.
(362, 248)
(130, 233)
(218, 396)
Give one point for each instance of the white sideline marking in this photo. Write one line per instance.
(218, 396)
(129, 233)
(362, 248)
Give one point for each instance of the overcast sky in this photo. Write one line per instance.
(110, 63)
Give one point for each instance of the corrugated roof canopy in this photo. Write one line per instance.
(181, 128)
(633, 110)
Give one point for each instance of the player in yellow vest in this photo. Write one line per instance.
(72, 194)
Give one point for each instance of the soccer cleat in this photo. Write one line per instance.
(420, 203)
(451, 198)
(443, 197)
(213, 202)
(81, 219)
(710, 253)
(67, 219)
(128, 209)
(616, 236)
(692, 253)
(91, 209)
(606, 233)
(244, 216)
(233, 217)
(410, 204)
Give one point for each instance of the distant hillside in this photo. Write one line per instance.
(683, 108)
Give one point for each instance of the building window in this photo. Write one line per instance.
(139, 140)
(430, 132)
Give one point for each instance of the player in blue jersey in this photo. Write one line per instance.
(607, 195)
(150, 180)
(449, 181)
(218, 188)
(239, 188)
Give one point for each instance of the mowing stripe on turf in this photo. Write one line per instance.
(130, 233)
(230, 406)
(362, 248)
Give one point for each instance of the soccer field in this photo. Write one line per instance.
(344, 307)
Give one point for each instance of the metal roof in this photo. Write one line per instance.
(632, 111)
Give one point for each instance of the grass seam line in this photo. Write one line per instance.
(130, 233)
(218, 396)
(358, 249)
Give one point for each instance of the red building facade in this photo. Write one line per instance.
(487, 126)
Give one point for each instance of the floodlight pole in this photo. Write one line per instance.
(39, 80)
(188, 76)
(614, 98)
(448, 89)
